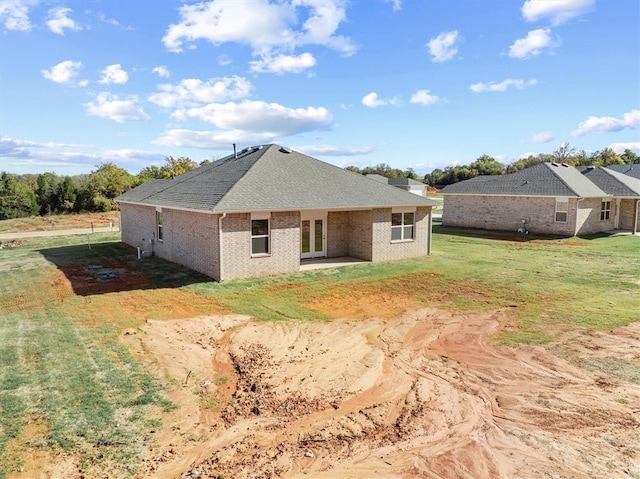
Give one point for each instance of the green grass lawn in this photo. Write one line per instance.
(65, 374)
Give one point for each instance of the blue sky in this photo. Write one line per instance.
(419, 84)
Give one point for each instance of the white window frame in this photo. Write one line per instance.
(562, 207)
(159, 225)
(403, 226)
(605, 210)
(261, 217)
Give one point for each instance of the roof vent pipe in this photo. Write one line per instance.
(235, 153)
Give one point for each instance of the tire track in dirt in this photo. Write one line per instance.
(425, 395)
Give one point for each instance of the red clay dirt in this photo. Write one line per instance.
(426, 394)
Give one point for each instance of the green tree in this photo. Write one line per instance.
(175, 167)
(487, 165)
(48, 185)
(630, 157)
(16, 199)
(606, 157)
(98, 190)
(564, 153)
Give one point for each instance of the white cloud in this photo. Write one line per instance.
(73, 158)
(372, 101)
(116, 109)
(605, 124)
(542, 137)
(533, 44)
(397, 4)
(192, 92)
(443, 47)
(267, 119)
(14, 14)
(224, 60)
(503, 85)
(63, 72)
(114, 74)
(58, 20)
(283, 63)
(211, 139)
(620, 147)
(557, 11)
(423, 97)
(330, 150)
(271, 29)
(161, 71)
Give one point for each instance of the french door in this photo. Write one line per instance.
(312, 238)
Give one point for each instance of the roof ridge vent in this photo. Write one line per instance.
(284, 149)
(553, 163)
(565, 165)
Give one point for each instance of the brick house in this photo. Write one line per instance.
(266, 209)
(550, 198)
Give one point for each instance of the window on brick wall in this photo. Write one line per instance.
(402, 226)
(605, 210)
(562, 210)
(259, 236)
(159, 224)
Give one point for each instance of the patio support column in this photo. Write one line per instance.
(634, 222)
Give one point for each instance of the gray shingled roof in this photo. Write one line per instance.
(270, 178)
(612, 182)
(544, 179)
(629, 170)
(405, 182)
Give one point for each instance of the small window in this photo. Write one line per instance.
(260, 236)
(562, 210)
(159, 224)
(605, 210)
(402, 226)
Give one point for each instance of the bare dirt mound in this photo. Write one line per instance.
(426, 395)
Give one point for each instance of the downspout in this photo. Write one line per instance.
(575, 228)
(430, 230)
(222, 216)
(634, 229)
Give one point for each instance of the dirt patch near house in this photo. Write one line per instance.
(423, 394)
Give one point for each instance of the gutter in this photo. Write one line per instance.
(220, 250)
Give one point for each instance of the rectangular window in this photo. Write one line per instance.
(562, 210)
(159, 224)
(260, 236)
(605, 210)
(402, 226)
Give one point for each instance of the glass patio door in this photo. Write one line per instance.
(312, 238)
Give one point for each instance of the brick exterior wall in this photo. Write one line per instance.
(191, 239)
(386, 250)
(367, 235)
(507, 212)
(627, 212)
(338, 234)
(137, 225)
(284, 254)
(360, 235)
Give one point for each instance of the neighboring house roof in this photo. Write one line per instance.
(629, 170)
(612, 182)
(270, 178)
(378, 178)
(405, 182)
(544, 179)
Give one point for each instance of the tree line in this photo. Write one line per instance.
(49, 193)
(486, 165)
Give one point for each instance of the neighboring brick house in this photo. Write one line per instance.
(551, 198)
(267, 208)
